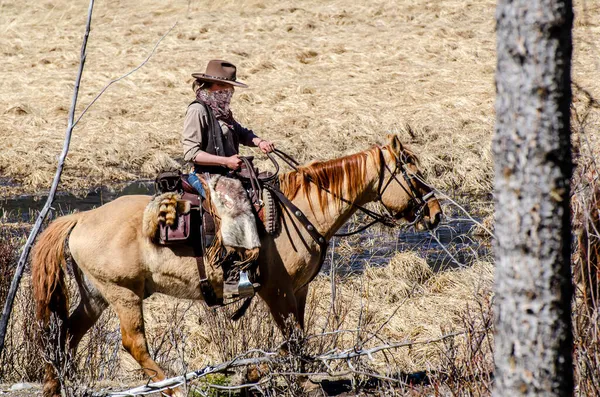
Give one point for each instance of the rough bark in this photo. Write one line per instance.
(533, 167)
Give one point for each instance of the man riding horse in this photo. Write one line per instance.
(211, 139)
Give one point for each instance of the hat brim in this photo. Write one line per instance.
(211, 79)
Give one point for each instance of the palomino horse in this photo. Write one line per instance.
(115, 264)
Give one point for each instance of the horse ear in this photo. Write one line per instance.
(395, 143)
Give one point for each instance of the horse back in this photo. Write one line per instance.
(107, 240)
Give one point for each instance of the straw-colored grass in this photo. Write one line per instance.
(403, 301)
(326, 78)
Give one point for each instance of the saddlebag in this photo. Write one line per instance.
(179, 232)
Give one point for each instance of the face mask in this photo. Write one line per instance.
(222, 98)
(218, 101)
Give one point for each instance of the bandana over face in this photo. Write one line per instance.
(218, 101)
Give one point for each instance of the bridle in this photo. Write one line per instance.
(391, 220)
(417, 199)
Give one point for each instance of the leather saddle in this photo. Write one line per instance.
(196, 228)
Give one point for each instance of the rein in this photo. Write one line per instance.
(388, 220)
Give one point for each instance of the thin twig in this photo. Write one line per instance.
(239, 387)
(351, 353)
(125, 75)
(462, 265)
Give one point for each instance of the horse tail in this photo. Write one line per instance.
(51, 296)
(48, 270)
(162, 209)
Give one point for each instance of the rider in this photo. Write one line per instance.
(211, 139)
(211, 135)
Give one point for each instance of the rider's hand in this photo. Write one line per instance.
(234, 162)
(266, 146)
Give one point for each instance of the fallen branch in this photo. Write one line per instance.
(174, 382)
(171, 383)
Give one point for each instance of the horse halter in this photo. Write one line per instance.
(417, 200)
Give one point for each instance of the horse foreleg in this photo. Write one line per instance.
(283, 306)
(128, 307)
(301, 304)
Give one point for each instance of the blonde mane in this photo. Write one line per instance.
(344, 177)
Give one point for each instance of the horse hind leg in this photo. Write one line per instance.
(88, 311)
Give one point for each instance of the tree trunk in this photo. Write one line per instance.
(532, 151)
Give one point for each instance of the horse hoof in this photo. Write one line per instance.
(255, 373)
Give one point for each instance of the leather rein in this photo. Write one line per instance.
(388, 220)
(417, 199)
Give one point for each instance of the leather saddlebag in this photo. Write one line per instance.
(178, 233)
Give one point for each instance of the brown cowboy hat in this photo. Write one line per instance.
(218, 71)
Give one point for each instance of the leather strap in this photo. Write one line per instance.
(208, 292)
(309, 227)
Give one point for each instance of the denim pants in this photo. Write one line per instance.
(195, 182)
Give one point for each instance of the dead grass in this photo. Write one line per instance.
(326, 78)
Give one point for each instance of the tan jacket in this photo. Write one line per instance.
(198, 121)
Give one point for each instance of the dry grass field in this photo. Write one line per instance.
(326, 78)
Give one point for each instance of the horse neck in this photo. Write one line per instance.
(355, 178)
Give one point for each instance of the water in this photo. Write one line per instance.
(451, 245)
(25, 208)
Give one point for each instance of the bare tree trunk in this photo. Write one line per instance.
(533, 167)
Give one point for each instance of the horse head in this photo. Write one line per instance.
(402, 188)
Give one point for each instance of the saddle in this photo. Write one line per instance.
(195, 226)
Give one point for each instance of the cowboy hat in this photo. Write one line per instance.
(218, 71)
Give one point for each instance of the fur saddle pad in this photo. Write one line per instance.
(166, 217)
(238, 224)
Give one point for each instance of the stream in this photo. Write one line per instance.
(453, 244)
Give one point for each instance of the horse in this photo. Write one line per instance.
(115, 264)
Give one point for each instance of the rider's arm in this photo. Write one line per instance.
(247, 137)
(195, 121)
(203, 158)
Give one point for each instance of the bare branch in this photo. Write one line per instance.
(125, 75)
(14, 286)
(351, 353)
(271, 357)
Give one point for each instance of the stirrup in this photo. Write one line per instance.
(245, 287)
(242, 289)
